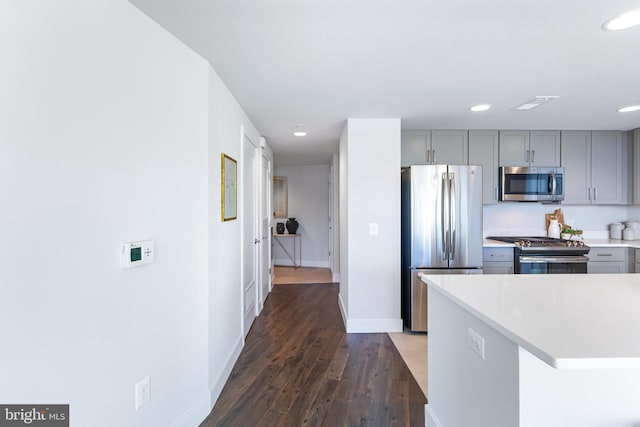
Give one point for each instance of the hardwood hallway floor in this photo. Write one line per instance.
(300, 368)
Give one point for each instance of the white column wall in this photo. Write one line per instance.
(372, 197)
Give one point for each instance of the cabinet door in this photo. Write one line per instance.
(413, 147)
(545, 148)
(483, 151)
(494, 267)
(449, 146)
(514, 148)
(612, 267)
(575, 156)
(607, 168)
(636, 168)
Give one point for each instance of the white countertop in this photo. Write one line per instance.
(593, 242)
(586, 321)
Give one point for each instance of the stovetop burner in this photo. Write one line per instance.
(527, 244)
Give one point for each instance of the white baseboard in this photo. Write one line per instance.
(196, 413)
(343, 310)
(430, 419)
(216, 389)
(367, 326)
(285, 262)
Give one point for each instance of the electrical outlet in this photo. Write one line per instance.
(142, 392)
(373, 229)
(476, 342)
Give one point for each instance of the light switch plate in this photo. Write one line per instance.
(373, 229)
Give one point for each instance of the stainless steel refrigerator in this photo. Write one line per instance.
(441, 230)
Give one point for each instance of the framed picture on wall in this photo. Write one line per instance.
(229, 188)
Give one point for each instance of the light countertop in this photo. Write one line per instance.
(593, 242)
(588, 321)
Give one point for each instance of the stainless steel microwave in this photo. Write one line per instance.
(531, 184)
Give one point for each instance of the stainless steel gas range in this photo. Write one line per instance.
(545, 255)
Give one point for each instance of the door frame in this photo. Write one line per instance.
(243, 315)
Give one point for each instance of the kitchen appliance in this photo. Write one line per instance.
(441, 230)
(543, 255)
(615, 230)
(531, 184)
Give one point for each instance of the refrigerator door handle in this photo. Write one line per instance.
(453, 200)
(444, 211)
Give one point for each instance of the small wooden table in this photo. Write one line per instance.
(297, 237)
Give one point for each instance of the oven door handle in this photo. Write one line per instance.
(573, 259)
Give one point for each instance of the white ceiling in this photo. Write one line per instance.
(425, 61)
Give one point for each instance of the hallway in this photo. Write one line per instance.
(300, 368)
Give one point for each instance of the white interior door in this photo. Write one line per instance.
(265, 235)
(250, 238)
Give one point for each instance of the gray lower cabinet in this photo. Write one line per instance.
(497, 260)
(608, 260)
(483, 151)
(637, 261)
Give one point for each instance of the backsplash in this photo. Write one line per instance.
(510, 219)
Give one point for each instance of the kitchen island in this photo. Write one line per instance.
(534, 350)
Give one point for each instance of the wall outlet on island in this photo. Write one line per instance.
(142, 392)
(476, 342)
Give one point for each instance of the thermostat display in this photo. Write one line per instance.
(137, 253)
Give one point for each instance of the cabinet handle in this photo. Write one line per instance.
(533, 156)
(428, 156)
(589, 193)
(604, 254)
(433, 155)
(496, 191)
(527, 156)
(595, 193)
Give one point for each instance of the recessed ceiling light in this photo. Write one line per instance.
(536, 102)
(629, 109)
(481, 107)
(299, 131)
(624, 21)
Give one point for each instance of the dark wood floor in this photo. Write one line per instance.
(300, 368)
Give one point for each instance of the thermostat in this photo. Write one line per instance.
(137, 253)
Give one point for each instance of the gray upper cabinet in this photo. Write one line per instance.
(576, 159)
(608, 168)
(421, 147)
(483, 151)
(450, 147)
(594, 167)
(529, 148)
(413, 147)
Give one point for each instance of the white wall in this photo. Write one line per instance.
(372, 263)
(226, 118)
(308, 202)
(529, 218)
(113, 131)
(103, 140)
